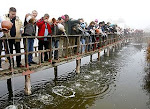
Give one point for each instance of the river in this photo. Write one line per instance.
(121, 81)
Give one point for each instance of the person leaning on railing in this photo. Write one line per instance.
(57, 29)
(70, 27)
(30, 30)
(84, 37)
(16, 31)
(91, 30)
(1, 45)
(44, 29)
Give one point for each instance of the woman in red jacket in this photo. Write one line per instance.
(44, 29)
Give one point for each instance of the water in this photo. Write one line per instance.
(121, 81)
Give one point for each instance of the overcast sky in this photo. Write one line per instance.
(132, 13)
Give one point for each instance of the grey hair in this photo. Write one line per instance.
(12, 9)
(46, 15)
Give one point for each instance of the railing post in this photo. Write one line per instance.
(27, 77)
(87, 44)
(40, 57)
(95, 44)
(27, 85)
(55, 71)
(9, 87)
(100, 45)
(26, 52)
(78, 62)
(90, 58)
(50, 47)
(35, 50)
(108, 40)
(104, 51)
(108, 51)
(9, 83)
(55, 74)
(90, 46)
(78, 45)
(99, 55)
(113, 48)
(67, 42)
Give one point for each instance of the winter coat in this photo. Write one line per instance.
(41, 28)
(18, 25)
(29, 30)
(69, 24)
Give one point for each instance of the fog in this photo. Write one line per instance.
(126, 13)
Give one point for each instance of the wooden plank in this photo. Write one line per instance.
(7, 73)
(27, 72)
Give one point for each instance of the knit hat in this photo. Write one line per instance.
(96, 20)
(63, 17)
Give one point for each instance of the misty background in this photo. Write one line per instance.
(125, 13)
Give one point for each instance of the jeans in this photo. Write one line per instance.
(1, 47)
(83, 46)
(30, 49)
(55, 44)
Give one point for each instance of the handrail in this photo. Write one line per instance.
(68, 48)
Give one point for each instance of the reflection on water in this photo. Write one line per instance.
(101, 84)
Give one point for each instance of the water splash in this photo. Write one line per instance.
(63, 91)
(11, 107)
(95, 72)
(87, 77)
(18, 106)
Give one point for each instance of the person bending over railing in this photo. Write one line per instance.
(44, 30)
(16, 32)
(57, 29)
(30, 31)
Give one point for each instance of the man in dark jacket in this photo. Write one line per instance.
(58, 29)
(70, 30)
(69, 23)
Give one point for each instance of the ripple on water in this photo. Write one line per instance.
(95, 72)
(11, 107)
(89, 88)
(45, 98)
(63, 91)
(17, 106)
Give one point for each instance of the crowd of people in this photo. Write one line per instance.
(45, 26)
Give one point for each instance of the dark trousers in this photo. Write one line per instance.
(1, 47)
(17, 49)
(44, 44)
(55, 44)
